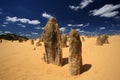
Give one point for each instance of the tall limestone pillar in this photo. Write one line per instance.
(52, 42)
(75, 53)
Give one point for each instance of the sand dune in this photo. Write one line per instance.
(19, 61)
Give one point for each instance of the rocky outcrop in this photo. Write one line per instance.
(32, 42)
(99, 41)
(102, 40)
(64, 40)
(83, 39)
(38, 43)
(75, 53)
(52, 43)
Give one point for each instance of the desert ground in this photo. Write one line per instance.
(23, 61)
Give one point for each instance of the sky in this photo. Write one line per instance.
(88, 17)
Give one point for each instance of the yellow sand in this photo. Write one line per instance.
(19, 61)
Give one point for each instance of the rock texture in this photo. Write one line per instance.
(0, 40)
(75, 53)
(32, 42)
(38, 43)
(102, 40)
(52, 43)
(64, 40)
(99, 41)
(83, 39)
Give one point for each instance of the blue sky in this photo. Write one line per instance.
(88, 17)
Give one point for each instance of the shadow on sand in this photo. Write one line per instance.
(85, 68)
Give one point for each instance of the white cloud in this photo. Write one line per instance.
(38, 27)
(75, 8)
(78, 25)
(12, 19)
(46, 15)
(34, 22)
(63, 29)
(34, 33)
(107, 10)
(69, 25)
(7, 32)
(3, 25)
(111, 14)
(22, 20)
(42, 28)
(21, 25)
(73, 25)
(102, 28)
(82, 5)
(85, 3)
(77, 30)
(80, 31)
(86, 25)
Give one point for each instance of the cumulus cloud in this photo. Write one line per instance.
(3, 25)
(22, 20)
(69, 25)
(62, 29)
(77, 30)
(107, 10)
(78, 25)
(102, 28)
(38, 27)
(7, 32)
(86, 25)
(21, 25)
(42, 28)
(34, 33)
(46, 15)
(80, 31)
(83, 4)
(73, 25)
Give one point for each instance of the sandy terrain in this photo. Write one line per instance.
(19, 61)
